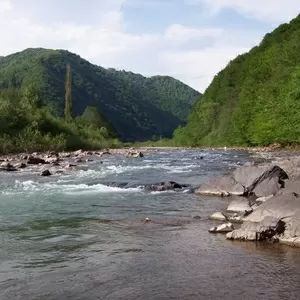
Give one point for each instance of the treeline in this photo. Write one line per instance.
(137, 107)
(255, 100)
(27, 124)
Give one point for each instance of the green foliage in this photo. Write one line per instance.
(26, 125)
(137, 107)
(255, 100)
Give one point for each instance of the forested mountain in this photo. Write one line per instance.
(138, 107)
(255, 100)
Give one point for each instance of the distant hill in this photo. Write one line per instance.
(138, 107)
(255, 100)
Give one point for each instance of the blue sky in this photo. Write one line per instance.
(190, 40)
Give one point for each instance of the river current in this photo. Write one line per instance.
(74, 237)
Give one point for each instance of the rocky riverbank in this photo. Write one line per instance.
(48, 163)
(266, 200)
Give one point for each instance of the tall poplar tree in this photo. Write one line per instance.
(68, 94)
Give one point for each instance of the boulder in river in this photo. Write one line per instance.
(6, 166)
(260, 180)
(221, 186)
(278, 217)
(34, 160)
(218, 216)
(165, 186)
(21, 165)
(134, 154)
(46, 173)
(224, 228)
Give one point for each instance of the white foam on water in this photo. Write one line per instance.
(31, 186)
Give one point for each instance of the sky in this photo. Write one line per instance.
(191, 40)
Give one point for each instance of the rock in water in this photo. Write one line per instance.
(221, 186)
(21, 165)
(224, 228)
(217, 216)
(33, 160)
(165, 186)
(246, 180)
(239, 205)
(134, 154)
(6, 166)
(268, 228)
(277, 217)
(46, 173)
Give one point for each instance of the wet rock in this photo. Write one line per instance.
(292, 186)
(196, 217)
(262, 180)
(224, 228)
(70, 166)
(277, 217)
(78, 152)
(239, 205)
(134, 154)
(221, 186)
(268, 228)
(246, 180)
(34, 160)
(55, 164)
(21, 166)
(79, 160)
(218, 216)
(263, 199)
(7, 166)
(165, 186)
(46, 173)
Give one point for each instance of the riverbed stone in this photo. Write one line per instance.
(34, 160)
(218, 216)
(239, 205)
(7, 166)
(268, 228)
(259, 180)
(221, 186)
(46, 173)
(224, 228)
(165, 186)
(277, 217)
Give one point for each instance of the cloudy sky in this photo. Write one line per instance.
(189, 39)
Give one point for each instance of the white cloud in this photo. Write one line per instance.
(178, 33)
(102, 39)
(265, 10)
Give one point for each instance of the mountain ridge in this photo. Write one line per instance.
(139, 107)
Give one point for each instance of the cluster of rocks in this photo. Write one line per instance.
(265, 205)
(61, 161)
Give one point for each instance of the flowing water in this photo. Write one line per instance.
(74, 237)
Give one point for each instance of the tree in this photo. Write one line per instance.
(68, 94)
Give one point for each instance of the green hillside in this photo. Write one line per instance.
(255, 100)
(137, 107)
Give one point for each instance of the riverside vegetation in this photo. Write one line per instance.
(255, 100)
(138, 108)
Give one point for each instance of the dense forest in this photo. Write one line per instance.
(255, 100)
(138, 108)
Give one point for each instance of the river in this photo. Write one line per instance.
(73, 237)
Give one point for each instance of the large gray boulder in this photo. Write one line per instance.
(221, 186)
(268, 228)
(277, 217)
(260, 180)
